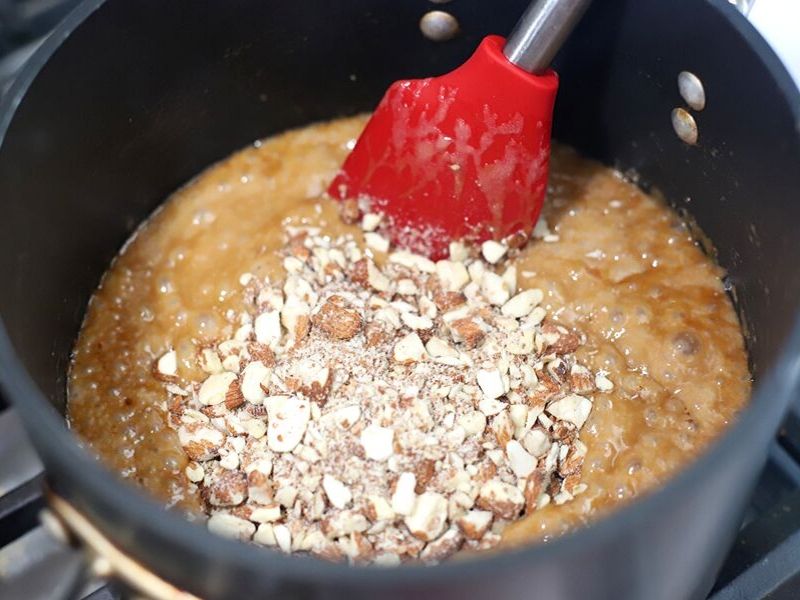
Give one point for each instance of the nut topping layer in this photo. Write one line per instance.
(383, 412)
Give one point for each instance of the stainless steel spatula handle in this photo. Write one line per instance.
(541, 31)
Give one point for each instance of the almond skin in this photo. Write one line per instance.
(338, 321)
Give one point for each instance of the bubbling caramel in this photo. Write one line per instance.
(616, 264)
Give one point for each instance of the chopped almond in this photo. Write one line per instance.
(468, 332)
(446, 301)
(233, 397)
(337, 320)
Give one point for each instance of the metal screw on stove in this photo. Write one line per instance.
(684, 125)
(691, 90)
(438, 25)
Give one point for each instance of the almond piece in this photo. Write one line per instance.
(316, 384)
(370, 221)
(404, 497)
(442, 547)
(231, 363)
(536, 442)
(194, 472)
(491, 383)
(377, 442)
(446, 301)
(255, 428)
(564, 432)
(535, 486)
(266, 514)
(521, 463)
(261, 352)
(228, 526)
(234, 397)
(467, 331)
(292, 264)
(602, 382)
(494, 289)
(243, 333)
(357, 548)
(519, 415)
(452, 275)
(520, 342)
(358, 272)
(428, 517)
(337, 320)
(215, 388)
(338, 494)
(437, 347)
(474, 423)
(581, 380)
(504, 500)
(230, 489)
(389, 317)
(573, 461)
(493, 251)
(475, 523)
(409, 349)
(413, 321)
(427, 307)
(503, 428)
(375, 334)
(522, 304)
(412, 261)
(254, 378)
(407, 287)
(344, 523)
(558, 340)
(265, 535)
(458, 251)
(537, 316)
(347, 416)
(572, 408)
(267, 328)
(210, 362)
(167, 365)
(376, 279)
(286, 496)
(491, 407)
(260, 487)
(295, 317)
(379, 509)
(424, 472)
(283, 536)
(376, 241)
(476, 270)
(288, 418)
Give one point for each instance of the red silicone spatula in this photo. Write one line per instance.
(464, 155)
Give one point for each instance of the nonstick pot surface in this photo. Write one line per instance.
(144, 95)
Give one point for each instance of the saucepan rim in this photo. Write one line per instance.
(99, 484)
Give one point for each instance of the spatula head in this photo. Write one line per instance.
(461, 156)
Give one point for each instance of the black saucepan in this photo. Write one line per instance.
(128, 100)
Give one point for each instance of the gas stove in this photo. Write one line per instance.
(764, 562)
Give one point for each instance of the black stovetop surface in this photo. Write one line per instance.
(764, 562)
